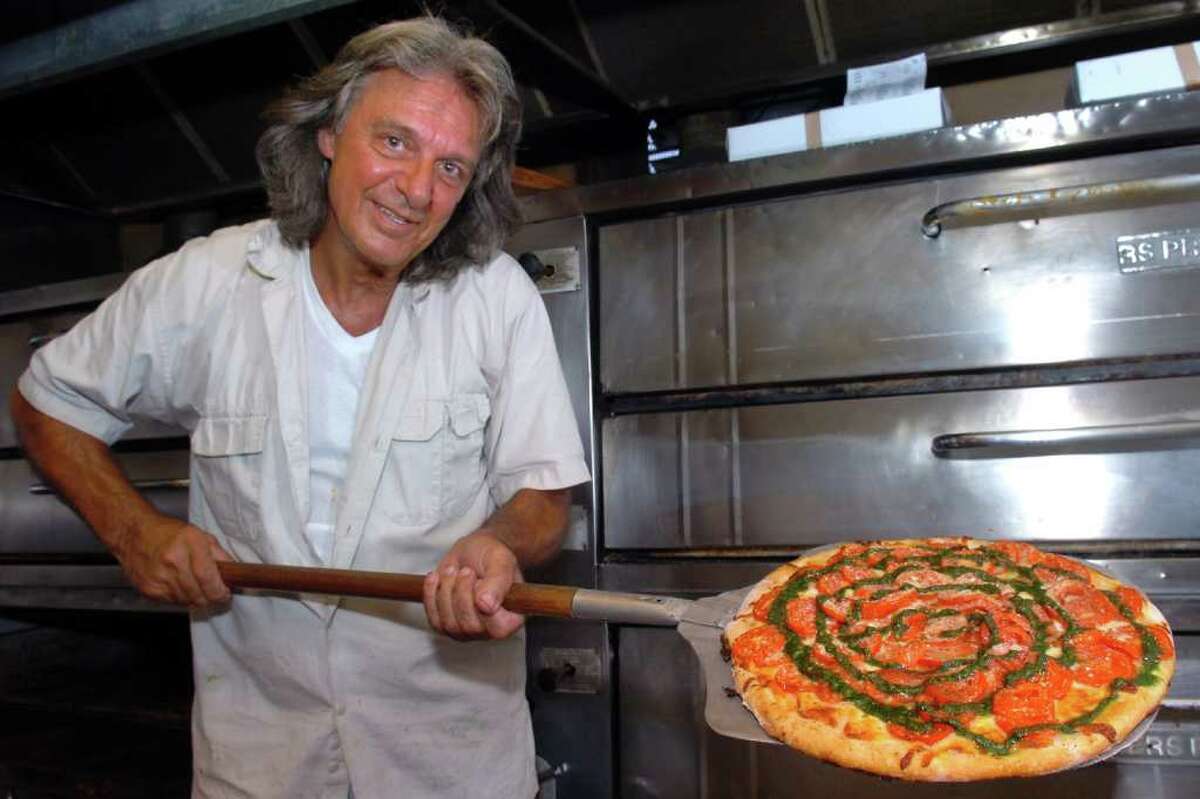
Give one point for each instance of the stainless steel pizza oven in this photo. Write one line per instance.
(991, 330)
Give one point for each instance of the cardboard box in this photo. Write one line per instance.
(1153, 71)
(845, 124)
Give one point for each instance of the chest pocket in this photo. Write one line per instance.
(435, 465)
(227, 462)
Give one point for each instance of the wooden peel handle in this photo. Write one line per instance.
(528, 598)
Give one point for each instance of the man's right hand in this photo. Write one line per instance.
(171, 561)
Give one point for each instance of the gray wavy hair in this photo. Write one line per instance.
(295, 172)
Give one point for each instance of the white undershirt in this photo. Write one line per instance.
(337, 367)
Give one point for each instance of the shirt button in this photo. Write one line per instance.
(333, 767)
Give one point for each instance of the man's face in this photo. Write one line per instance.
(398, 167)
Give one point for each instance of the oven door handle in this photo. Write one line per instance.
(1068, 441)
(175, 483)
(1065, 201)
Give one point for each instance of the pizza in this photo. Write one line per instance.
(948, 659)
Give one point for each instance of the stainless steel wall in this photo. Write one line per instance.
(791, 475)
(845, 283)
(887, 339)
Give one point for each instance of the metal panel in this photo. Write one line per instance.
(860, 25)
(642, 500)
(1059, 135)
(572, 731)
(667, 751)
(570, 318)
(134, 29)
(844, 283)
(712, 53)
(828, 471)
(42, 523)
(637, 312)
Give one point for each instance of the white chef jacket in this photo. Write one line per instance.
(464, 403)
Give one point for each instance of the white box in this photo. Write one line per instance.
(1159, 69)
(894, 116)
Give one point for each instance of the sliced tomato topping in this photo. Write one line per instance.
(905, 678)
(937, 733)
(1013, 661)
(976, 686)
(855, 573)
(1098, 662)
(1087, 605)
(876, 558)
(822, 658)
(932, 653)
(885, 606)
(922, 578)
(936, 627)
(851, 551)
(1019, 553)
(1014, 628)
(1047, 614)
(1126, 638)
(838, 609)
(1066, 564)
(802, 616)
(762, 646)
(762, 605)
(788, 678)
(905, 552)
(1055, 679)
(1131, 598)
(914, 626)
(968, 601)
(1023, 705)
(1166, 646)
(1037, 740)
(831, 583)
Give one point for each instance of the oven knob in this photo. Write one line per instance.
(533, 266)
(547, 678)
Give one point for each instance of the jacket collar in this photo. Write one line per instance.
(270, 257)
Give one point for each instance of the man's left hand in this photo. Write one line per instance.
(463, 594)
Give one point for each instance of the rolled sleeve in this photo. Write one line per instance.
(533, 438)
(109, 368)
(53, 398)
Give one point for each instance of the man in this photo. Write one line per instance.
(367, 383)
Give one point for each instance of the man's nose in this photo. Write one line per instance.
(416, 183)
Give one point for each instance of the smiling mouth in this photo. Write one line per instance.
(394, 217)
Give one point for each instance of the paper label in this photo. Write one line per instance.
(881, 81)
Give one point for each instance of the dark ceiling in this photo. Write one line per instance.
(164, 113)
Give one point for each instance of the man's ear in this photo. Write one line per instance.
(325, 142)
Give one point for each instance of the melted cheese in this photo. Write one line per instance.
(1079, 700)
(987, 727)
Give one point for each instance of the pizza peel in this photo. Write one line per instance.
(701, 622)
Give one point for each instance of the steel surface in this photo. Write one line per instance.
(134, 29)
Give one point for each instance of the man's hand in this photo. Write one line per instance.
(171, 561)
(463, 594)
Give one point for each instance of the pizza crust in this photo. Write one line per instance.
(842, 734)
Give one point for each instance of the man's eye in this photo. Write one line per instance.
(452, 169)
(393, 142)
